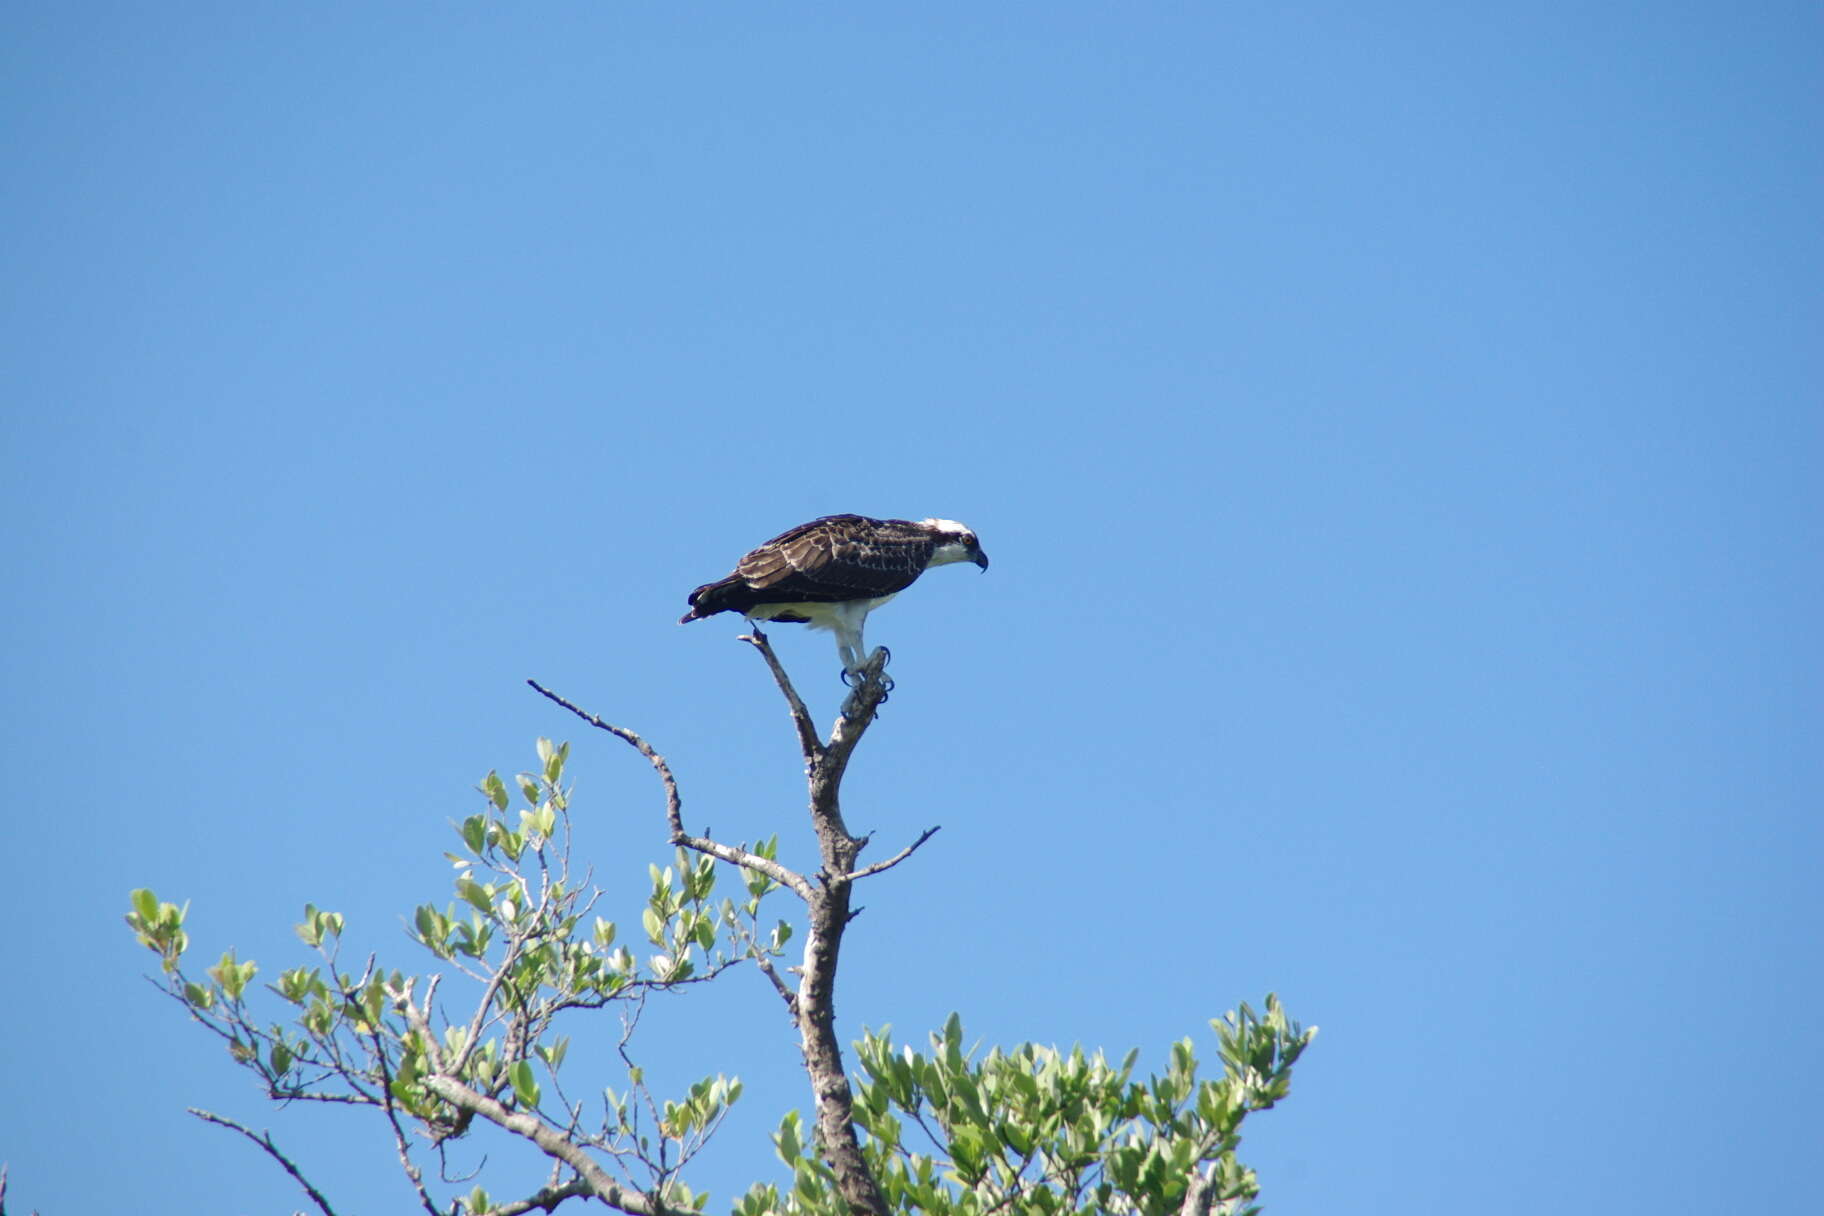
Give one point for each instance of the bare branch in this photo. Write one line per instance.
(762, 960)
(401, 1144)
(3, 1191)
(1200, 1196)
(545, 1200)
(801, 717)
(477, 1023)
(853, 722)
(783, 875)
(674, 805)
(815, 1006)
(264, 1140)
(898, 857)
(552, 1142)
(779, 985)
(420, 1019)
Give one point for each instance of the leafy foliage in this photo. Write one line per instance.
(1036, 1130)
(1028, 1130)
(525, 935)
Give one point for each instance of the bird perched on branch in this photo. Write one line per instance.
(832, 572)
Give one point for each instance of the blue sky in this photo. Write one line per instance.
(1395, 430)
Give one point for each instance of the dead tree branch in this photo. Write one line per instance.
(674, 805)
(552, 1141)
(264, 1140)
(546, 1200)
(814, 1009)
(813, 1005)
(898, 857)
(808, 742)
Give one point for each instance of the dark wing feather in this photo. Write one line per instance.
(838, 557)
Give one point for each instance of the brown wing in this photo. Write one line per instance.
(838, 557)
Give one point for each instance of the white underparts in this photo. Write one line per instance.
(844, 618)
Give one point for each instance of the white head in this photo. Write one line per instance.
(955, 543)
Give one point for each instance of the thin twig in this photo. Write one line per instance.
(3, 1191)
(674, 805)
(401, 1144)
(265, 1141)
(784, 876)
(898, 857)
(808, 742)
(472, 1036)
(779, 985)
(762, 960)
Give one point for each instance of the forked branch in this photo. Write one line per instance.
(674, 806)
(551, 1140)
(814, 1008)
(898, 857)
(801, 717)
(828, 899)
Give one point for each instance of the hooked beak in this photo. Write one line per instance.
(981, 559)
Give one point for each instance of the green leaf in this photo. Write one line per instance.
(474, 893)
(525, 1086)
(496, 790)
(553, 1055)
(474, 829)
(145, 904)
(787, 1141)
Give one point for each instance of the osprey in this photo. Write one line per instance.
(832, 572)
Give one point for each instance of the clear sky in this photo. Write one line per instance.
(1395, 428)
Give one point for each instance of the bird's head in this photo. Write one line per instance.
(955, 543)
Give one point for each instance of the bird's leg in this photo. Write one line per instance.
(849, 644)
(867, 674)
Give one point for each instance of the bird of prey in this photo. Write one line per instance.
(833, 571)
